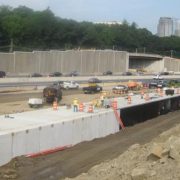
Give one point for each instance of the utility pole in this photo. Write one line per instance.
(11, 45)
(171, 53)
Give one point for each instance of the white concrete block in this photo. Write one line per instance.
(76, 131)
(5, 148)
(46, 137)
(66, 133)
(18, 143)
(57, 135)
(32, 141)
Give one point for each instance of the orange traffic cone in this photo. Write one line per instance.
(129, 99)
(90, 109)
(55, 105)
(81, 107)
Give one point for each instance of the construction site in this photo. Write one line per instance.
(89, 125)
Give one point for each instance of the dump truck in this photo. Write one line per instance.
(52, 93)
(92, 88)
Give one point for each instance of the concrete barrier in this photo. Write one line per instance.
(29, 136)
(5, 148)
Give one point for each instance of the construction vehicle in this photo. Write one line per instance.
(35, 102)
(92, 88)
(132, 85)
(120, 89)
(52, 93)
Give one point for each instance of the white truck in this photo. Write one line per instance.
(70, 85)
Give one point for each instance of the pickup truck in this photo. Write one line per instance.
(92, 89)
(70, 85)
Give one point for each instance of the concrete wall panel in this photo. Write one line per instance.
(121, 61)
(25, 62)
(66, 134)
(46, 137)
(5, 148)
(107, 60)
(32, 140)
(71, 61)
(57, 57)
(7, 62)
(97, 61)
(18, 143)
(85, 129)
(76, 128)
(172, 64)
(88, 62)
(44, 60)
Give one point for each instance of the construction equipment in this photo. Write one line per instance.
(52, 93)
(120, 89)
(35, 102)
(132, 85)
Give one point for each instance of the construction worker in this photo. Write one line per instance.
(102, 100)
(75, 105)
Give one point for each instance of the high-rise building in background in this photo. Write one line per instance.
(165, 27)
(168, 26)
(177, 27)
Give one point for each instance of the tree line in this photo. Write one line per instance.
(24, 29)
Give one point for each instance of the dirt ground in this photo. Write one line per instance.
(157, 160)
(15, 102)
(136, 153)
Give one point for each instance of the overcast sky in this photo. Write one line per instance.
(145, 13)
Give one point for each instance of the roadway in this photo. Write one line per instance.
(44, 81)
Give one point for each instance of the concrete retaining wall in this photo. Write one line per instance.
(7, 62)
(59, 134)
(171, 64)
(83, 61)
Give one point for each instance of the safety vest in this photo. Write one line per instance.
(75, 102)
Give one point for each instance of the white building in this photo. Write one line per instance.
(110, 23)
(177, 27)
(165, 27)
